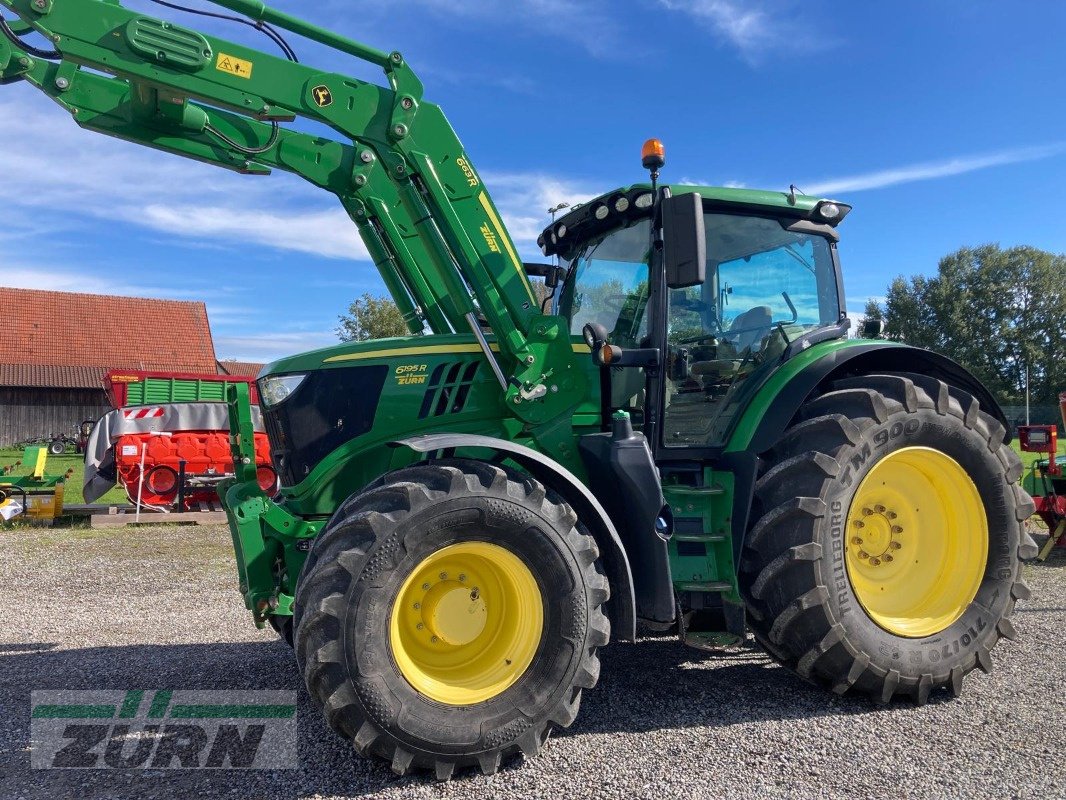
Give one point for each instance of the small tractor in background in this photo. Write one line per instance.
(1045, 481)
(679, 433)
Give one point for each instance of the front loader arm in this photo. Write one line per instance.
(400, 171)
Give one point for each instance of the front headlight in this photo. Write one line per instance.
(273, 389)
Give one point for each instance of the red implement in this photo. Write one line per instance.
(207, 460)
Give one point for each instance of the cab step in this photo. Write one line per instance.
(699, 537)
(704, 586)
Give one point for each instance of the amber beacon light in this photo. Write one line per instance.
(653, 155)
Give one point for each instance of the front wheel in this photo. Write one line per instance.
(884, 555)
(449, 616)
(57, 447)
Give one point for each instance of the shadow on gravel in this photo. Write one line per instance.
(660, 684)
(652, 685)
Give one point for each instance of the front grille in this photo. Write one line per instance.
(449, 387)
(330, 407)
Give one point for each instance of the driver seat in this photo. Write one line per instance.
(753, 325)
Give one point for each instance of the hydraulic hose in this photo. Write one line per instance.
(240, 148)
(10, 35)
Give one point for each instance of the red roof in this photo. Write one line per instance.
(66, 339)
(228, 366)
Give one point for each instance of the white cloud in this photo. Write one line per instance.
(524, 199)
(328, 232)
(754, 28)
(929, 170)
(59, 279)
(105, 179)
(55, 171)
(271, 345)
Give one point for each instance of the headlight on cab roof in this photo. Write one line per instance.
(273, 389)
(830, 212)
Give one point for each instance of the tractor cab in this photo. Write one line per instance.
(770, 282)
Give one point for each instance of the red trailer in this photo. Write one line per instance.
(126, 387)
(177, 424)
(1045, 480)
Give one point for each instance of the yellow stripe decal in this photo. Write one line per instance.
(432, 349)
(412, 351)
(484, 198)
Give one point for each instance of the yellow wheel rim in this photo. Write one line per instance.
(466, 623)
(917, 542)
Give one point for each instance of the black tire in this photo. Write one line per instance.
(283, 627)
(57, 447)
(351, 579)
(801, 603)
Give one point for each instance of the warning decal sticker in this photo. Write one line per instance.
(234, 66)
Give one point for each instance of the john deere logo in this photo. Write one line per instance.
(323, 96)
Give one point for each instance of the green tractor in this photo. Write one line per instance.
(673, 431)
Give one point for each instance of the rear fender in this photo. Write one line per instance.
(865, 359)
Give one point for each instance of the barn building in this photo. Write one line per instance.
(59, 346)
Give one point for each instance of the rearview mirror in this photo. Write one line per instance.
(684, 240)
(872, 328)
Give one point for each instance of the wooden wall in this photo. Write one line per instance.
(26, 413)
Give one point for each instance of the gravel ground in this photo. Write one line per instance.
(156, 608)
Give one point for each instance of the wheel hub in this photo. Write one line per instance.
(466, 623)
(876, 535)
(454, 613)
(917, 542)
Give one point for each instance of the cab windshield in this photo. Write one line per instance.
(765, 287)
(609, 285)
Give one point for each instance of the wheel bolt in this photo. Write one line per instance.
(895, 545)
(419, 626)
(425, 587)
(875, 562)
(444, 576)
(418, 605)
(434, 639)
(879, 509)
(892, 514)
(856, 540)
(888, 556)
(867, 512)
(860, 524)
(897, 529)
(462, 577)
(863, 554)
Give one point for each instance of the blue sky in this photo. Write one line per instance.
(941, 122)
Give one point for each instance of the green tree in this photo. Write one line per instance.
(1000, 313)
(371, 317)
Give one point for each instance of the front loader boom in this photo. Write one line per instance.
(399, 171)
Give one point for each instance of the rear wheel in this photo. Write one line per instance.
(884, 554)
(449, 616)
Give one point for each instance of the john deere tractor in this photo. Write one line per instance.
(669, 428)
